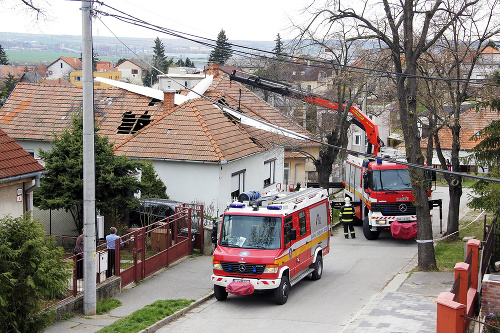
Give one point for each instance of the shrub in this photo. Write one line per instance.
(30, 271)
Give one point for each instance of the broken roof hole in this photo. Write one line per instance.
(131, 124)
(154, 102)
(222, 101)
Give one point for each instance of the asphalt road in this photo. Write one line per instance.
(355, 271)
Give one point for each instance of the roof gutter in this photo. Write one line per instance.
(37, 174)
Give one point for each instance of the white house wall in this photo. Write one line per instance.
(32, 147)
(9, 202)
(126, 69)
(210, 184)
(56, 71)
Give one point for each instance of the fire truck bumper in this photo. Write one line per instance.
(258, 284)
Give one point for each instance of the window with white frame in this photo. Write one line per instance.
(237, 183)
(269, 167)
(357, 139)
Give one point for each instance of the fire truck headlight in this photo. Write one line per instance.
(217, 265)
(380, 221)
(271, 269)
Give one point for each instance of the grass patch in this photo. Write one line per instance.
(449, 252)
(107, 305)
(146, 316)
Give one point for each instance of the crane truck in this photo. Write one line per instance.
(380, 191)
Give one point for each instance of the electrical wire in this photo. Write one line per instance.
(304, 137)
(127, 18)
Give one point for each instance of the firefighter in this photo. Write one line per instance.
(347, 218)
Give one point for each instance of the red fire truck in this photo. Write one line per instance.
(271, 242)
(382, 195)
(379, 190)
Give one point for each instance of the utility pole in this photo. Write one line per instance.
(89, 248)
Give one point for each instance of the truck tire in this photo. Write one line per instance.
(318, 268)
(220, 292)
(370, 235)
(281, 293)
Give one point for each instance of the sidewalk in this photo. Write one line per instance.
(406, 304)
(180, 281)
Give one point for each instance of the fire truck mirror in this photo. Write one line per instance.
(293, 234)
(214, 232)
(366, 180)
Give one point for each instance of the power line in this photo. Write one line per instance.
(130, 19)
(352, 152)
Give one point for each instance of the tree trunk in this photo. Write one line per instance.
(454, 208)
(408, 114)
(454, 182)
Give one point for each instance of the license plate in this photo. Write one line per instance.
(403, 219)
(240, 280)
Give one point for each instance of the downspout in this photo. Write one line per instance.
(31, 189)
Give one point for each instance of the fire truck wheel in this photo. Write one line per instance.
(220, 293)
(370, 235)
(281, 293)
(318, 268)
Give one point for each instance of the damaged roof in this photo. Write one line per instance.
(144, 127)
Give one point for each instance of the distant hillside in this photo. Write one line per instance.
(43, 49)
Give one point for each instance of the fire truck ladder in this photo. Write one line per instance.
(298, 197)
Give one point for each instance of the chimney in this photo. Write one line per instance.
(213, 69)
(168, 100)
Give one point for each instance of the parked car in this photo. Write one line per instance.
(151, 211)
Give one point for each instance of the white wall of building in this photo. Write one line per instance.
(127, 69)
(9, 202)
(59, 70)
(178, 81)
(210, 184)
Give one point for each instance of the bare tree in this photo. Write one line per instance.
(345, 88)
(408, 29)
(455, 56)
(37, 7)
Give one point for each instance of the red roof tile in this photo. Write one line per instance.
(196, 130)
(14, 160)
(470, 122)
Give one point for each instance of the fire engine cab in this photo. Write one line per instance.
(271, 242)
(381, 193)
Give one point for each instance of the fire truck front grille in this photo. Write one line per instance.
(234, 267)
(395, 209)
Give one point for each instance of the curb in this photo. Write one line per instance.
(174, 316)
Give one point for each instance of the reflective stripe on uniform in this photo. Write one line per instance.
(347, 214)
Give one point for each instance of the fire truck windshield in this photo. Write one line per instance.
(391, 180)
(251, 232)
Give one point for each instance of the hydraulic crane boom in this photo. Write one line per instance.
(360, 119)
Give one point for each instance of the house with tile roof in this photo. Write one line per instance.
(201, 153)
(105, 66)
(487, 63)
(19, 175)
(62, 67)
(471, 122)
(133, 70)
(5, 70)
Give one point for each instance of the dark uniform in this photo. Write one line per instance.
(347, 218)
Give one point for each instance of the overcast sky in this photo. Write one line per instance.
(242, 20)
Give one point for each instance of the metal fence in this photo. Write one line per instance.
(140, 252)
